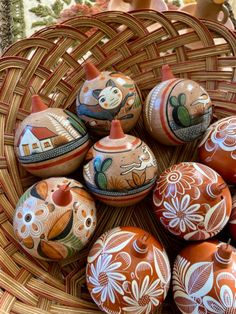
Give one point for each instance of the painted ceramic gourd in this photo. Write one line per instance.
(177, 110)
(54, 219)
(218, 148)
(122, 168)
(192, 201)
(128, 271)
(204, 279)
(50, 141)
(232, 220)
(106, 96)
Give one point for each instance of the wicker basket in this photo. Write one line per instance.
(50, 61)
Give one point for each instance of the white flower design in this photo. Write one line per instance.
(85, 221)
(105, 279)
(177, 180)
(181, 215)
(143, 299)
(30, 217)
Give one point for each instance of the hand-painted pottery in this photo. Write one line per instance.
(211, 9)
(105, 96)
(177, 110)
(54, 219)
(50, 141)
(192, 201)
(218, 148)
(232, 220)
(122, 168)
(204, 279)
(128, 271)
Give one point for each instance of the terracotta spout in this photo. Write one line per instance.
(91, 70)
(62, 196)
(116, 131)
(223, 255)
(167, 73)
(140, 247)
(37, 104)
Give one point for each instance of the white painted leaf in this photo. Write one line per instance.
(116, 242)
(199, 279)
(185, 303)
(212, 305)
(215, 217)
(206, 172)
(162, 265)
(95, 251)
(197, 235)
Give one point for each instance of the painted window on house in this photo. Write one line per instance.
(47, 144)
(35, 145)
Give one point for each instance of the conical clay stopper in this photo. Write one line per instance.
(223, 255)
(37, 104)
(62, 196)
(116, 131)
(140, 247)
(91, 71)
(167, 73)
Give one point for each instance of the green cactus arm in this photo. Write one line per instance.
(106, 164)
(174, 101)
(182, 99)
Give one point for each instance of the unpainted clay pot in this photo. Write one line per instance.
(177, 110)
(218, 148)
(128, 271)
(131, 5)
(54, 219)
(50, 141)
(105, 96)
(232, 220)
(204, 279)
(192, 201)
(122, 168)
(211, 9)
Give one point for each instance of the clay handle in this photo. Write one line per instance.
(226, 14)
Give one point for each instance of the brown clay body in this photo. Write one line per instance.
(210, 10)
(54, 219)
(218, 148)
(50, 141)
(232, 221)
(192, 201)
(122, 168)
(177, 110)
(105, 96)
(204, 279)
(130, 5)
(128, 272)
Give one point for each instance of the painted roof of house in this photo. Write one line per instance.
(41, 133)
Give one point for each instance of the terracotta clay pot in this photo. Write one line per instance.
(122, 168)
(232, 220)
(204, 279)
(128, 272)
(130, 5)
(192, 201)
(50, 141)
(177, 110)
(218, 148)
(211, 9)
(54, 219)
(105, 96)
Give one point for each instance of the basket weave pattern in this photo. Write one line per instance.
(50, 61)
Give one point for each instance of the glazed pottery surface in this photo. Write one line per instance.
(211, 9)
(192, 201)
(232, 220)
(204, 279)
(128, 272)
(110, 95)
(177, 111)
(51, 142)
(54, 218)
(218, 148)
(121, 171)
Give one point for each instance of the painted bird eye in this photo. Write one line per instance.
(102, 99)
(115, 91)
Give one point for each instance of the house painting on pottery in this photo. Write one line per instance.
(35, 140)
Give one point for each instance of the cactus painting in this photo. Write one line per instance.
(180, 113)
(100, 168)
